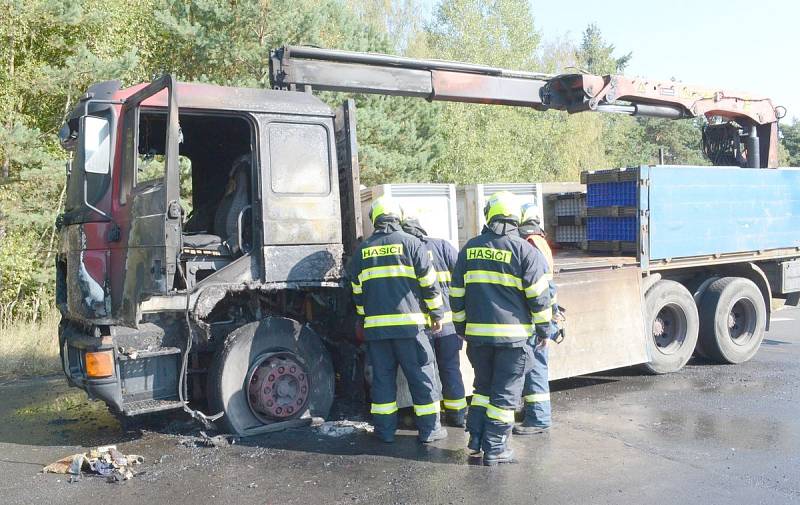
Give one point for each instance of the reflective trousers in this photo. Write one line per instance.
(536, 392)
(499, 377)
(415, 357)
(447, 349)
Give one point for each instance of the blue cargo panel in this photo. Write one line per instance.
(608, 194)
(611, 228)
(701, 211)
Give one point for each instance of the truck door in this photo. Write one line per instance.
(344, 126)
(152, 195)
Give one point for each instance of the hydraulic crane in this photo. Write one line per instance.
(742, 129)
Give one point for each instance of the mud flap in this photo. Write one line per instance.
(605, 322)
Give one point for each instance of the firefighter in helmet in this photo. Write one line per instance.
(500, 297)
(396, 292)
(446, 344)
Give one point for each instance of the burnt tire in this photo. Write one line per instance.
(672, 325)
(237, 362)
(733, 317)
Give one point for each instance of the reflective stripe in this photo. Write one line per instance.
(360, 310)
(443, 276)
(479, 400)
(459, 404)
(356, 288)
(456, 292)
(429, 408)
(543, 316)
(435, 302)
(499, 330)
(428, 279)
(460, 316)
(447, 318)
(384, 408)
(490, 277)
(502, 415)
(386, 271)
(394, 320)
(537, 397)
(539, 287)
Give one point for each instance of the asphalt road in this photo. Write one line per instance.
(708, 434)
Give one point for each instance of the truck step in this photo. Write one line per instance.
(146, 406)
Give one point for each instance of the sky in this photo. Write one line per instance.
(739, 45)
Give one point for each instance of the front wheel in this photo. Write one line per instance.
(734, 318)
(269, 371)
(672, 325)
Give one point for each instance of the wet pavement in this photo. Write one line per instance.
(710, 433)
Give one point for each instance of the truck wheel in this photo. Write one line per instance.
(733, 320)
(269, 371)
(671, 317)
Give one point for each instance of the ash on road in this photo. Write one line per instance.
(710, 434)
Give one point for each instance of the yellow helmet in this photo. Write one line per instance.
(384, 206)
(501, 204)
(530, 213)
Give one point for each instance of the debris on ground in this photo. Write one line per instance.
(205, 440)
(343, 428)
(105, 461)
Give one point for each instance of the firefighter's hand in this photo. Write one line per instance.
(436, 326)
(541, 342)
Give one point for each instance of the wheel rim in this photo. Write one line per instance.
(278, 386)
(741, 321)
(669, 328)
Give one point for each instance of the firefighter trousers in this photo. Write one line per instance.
(536, 392)
(415, 357)
(447, 349)
(499, 377)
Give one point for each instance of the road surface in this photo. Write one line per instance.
(708, 434)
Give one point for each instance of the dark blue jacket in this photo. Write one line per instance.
(394, 284)
(500, 293)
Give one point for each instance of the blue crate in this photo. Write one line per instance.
(607, 194)
(612, 228)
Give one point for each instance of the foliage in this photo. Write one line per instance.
(51, 50)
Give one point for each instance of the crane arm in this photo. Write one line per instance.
(751, 120)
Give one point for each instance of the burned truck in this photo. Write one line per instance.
(206, 232)
(203, 249)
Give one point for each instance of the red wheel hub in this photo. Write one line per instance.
(278, 387)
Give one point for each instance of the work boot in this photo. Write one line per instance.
(431, 434)
(386, 438)
(507, 456)
(455, 417)
(474, 446)
(522, 429)
(536, 421)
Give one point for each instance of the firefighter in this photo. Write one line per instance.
(500, 299)
(536, 391)
(396, 293)
(446, 344)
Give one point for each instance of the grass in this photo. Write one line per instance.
(30, 348)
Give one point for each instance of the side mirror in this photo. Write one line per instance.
(95, 145)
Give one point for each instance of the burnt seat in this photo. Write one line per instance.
(229, 219)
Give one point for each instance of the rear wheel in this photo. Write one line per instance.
(672, 321)
(269, 371)
(733, 320)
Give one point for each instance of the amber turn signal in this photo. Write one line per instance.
(99, 364)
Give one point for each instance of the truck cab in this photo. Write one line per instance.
(194, 210)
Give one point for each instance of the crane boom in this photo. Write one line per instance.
(751, 121)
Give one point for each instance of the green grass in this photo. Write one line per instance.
(30, 348)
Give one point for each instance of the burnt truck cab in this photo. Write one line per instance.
(203, 244)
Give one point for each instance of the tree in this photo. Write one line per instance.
(791, 142)
(596, 56)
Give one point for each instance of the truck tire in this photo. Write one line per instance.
(673, 324)
(733, 319)
(270, 371)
